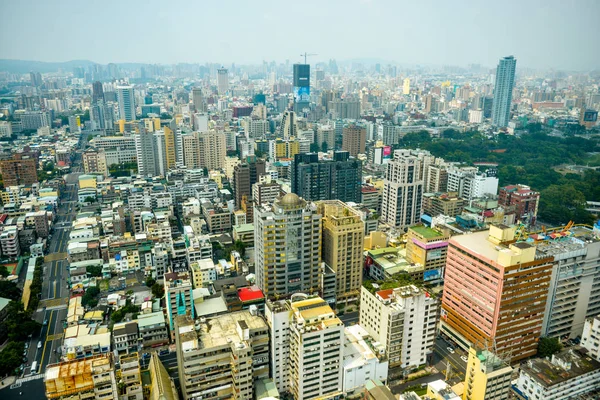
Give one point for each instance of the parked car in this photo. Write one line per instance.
(450, 350)
(464, 358)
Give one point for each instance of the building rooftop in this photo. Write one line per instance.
(426, 232)
(566, 365)
(251, 293)
(223, 330)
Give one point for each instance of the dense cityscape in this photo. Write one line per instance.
(298, 229)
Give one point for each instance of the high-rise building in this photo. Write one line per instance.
(191, 150)
(266, 190)
(213, 149)
(287, 243)
(289, 125)
(345, 109)
(245, 175)
(36, 79)
(505, 81)
(301, 87)
(97, 92)
(488, 377)
(307, 342)
(337, 179)
(403, 187)
(102, 116)
(353, 140)
(471, 184)
(343, 236)
(94, 161)
(17, 171)
(222, 357)
(222, 80)
(495, 292)
(406, 86)
(522, 199)
(403, 319)
(198, 100)
(126, 99)
(179, 297)
(325, 137)
(147, 154)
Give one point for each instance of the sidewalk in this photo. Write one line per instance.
(7, 381)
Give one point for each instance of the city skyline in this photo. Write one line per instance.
(431, 33)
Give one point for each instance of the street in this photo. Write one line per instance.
(349, 318)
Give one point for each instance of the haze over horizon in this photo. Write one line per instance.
(543, 35)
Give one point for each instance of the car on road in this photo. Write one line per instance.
(39, 345)
(45, 322)
(464, 358)
(450, 350)
(163, 352)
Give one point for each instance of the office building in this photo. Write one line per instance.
(17, 171)
(353, 140)
(505, 309)
(427, 247)
(287, 243)
(505, 82)
(146, 150)
(307, 342)
(245, 175)
(222, 81)
(97, 92)
(345, 109)
(488, 377)
(301, 87)
(343, 236)
(403, 187)
(522, 200)
(338, 178)
(403, 320)
(198, 100)
(448, 204)
(223, 356)
(102, 116)
(83, 378)
(266, 190)
(567, 375)
(126, 99)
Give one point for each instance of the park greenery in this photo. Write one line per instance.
(532, 157)
(129, 308)
(90, 298)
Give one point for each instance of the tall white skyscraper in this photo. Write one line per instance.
(222, 80)
(403, 187)
(126, 99)
(505, 81)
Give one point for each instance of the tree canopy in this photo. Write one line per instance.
(548, 346)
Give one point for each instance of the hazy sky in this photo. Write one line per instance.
(563, 34)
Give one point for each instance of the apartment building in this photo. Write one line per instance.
(427, 247)
(488, 377)
(222, 357)
(403, 319)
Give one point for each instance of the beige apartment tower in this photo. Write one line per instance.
(343, 236)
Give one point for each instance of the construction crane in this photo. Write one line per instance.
(307, 55)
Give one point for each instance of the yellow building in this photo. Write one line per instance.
(286, 148)
(343, 237)
(87, 181)
(406, 86)
(375, 240)
(86, 378)
(427, 247)
(163, 387)
(487, 377)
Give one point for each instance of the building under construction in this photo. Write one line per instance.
(87, 378)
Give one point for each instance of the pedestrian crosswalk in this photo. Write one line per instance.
(27, 379)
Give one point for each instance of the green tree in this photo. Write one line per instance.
(240, 247)
(314, 148)
(324, 147)
(10, 357)
(3, 273)
(94, 270)
(90, 297)
(9, 289)
(150, 281)
(158, 291)
(548, 346)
